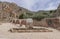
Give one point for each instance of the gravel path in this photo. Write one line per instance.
(4, 34)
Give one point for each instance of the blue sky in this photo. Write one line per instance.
(35, 5)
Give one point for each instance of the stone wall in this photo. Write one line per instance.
(54, 22)
(42, 23)
(48, 22)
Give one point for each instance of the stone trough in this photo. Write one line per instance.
(19, 30)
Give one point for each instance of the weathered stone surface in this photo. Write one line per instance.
(40, 23)
(53, 22)
(48, 22)
(57, 12)
(9, 11)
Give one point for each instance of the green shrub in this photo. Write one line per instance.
(21, 16)
(38, 17)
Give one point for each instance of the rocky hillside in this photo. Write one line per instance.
(10, 10)
(57, 13)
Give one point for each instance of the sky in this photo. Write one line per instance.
(35, 5)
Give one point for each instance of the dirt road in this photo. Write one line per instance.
(4, 34)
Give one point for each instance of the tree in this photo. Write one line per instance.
(21, 16)
(51, 11)
(38, 17)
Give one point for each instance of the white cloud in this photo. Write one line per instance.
(36, 4)
(53, 5)
(28, 3)
(50, 7)
(7, 0)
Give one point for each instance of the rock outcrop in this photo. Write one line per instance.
(57, 13)
(9, 11)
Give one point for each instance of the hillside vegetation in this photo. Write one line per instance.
(39, 15)
(9, 10)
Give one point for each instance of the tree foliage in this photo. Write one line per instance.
(21, 16)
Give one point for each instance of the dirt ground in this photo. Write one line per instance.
(4, 34)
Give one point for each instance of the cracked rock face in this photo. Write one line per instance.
(9, 11)
(57, 14)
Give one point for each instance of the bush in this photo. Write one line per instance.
(39, 18)
(21, 16)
